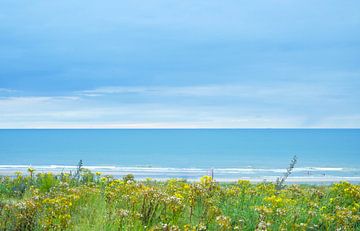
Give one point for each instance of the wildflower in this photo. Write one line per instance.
(179, 196)
(123, 213)
(244, 183)
(201, 227)
(206, 180)
(224, 222)
(31, 171)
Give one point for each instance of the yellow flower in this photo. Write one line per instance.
(178, 195)
(224, 222)
(244, 183)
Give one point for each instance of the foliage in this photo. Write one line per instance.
(88, 201)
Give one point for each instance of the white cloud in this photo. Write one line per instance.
(203, 107)
(7, 90)
(33, 100)
(339, 121)
(72, 112)
(235, 90)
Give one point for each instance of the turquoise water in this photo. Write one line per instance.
(186, 153)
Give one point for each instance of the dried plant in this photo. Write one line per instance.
(280, 181)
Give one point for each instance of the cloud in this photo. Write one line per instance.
(6, 90)
(340, 121)
(189, 63)
(13, 101)
(235, 90)
(200, 106)
(77, 111)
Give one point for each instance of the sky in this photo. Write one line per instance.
(180, 64)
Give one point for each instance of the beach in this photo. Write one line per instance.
(299, 175)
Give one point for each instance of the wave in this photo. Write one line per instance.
(137, 169)
(300, 175)
(147, 168)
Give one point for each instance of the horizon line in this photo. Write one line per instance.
(178, 128)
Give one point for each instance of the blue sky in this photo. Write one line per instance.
(270, 64)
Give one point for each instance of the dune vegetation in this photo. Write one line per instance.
(89, 201)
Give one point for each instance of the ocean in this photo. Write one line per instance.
(323, 155)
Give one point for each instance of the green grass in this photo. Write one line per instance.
(87, 201)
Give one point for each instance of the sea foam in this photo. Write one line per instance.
(301, 174)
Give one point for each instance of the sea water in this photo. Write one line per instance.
(323, 155)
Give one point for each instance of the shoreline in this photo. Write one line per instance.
(300, 175)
